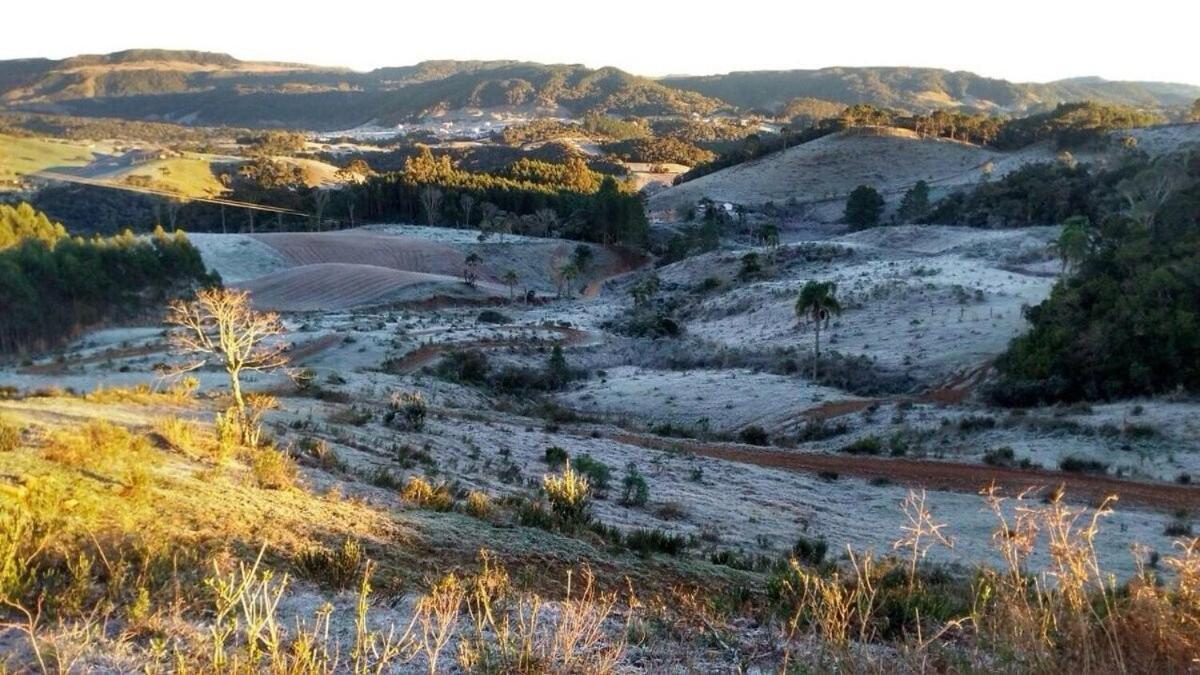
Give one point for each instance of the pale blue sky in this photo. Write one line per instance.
(1023, 40)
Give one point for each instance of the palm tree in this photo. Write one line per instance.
(566, 274)
(510, 279)
(817, 303)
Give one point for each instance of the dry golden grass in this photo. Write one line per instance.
(423, 494)
(10, 435)
(272, 469)
(479, 504)
(85, 554)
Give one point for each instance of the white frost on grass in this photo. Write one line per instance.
(716, 399)
(237, 257)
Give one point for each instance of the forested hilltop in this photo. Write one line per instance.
(925, 89)
(52, 285)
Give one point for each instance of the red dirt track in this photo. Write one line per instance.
(945, 476)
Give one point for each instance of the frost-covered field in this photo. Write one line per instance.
(930, 304)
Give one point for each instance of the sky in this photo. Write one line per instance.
(1020, 40)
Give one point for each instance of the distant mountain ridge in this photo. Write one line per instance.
(217, 89)
(207, 88)
(924, 89)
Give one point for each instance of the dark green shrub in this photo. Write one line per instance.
(810, 550)
(646, 542)
(598, 473)
(555, 456)
(635, 490)
(1075, 464)
(754, 435)
(999, 457)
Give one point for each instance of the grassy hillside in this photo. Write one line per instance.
(20, 156)
(828, 168)
(189, 176)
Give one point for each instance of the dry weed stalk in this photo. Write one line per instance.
(523, 634)
(920, 534)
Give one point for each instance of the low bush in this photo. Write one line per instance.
(469, 366)
(180, 435)
(492, 316)
(819, 430)
(999, 457)
(754, 435)
(976, 423)
(598, 473)
(1074, 464)
(97, 445)
(555, 456)
(479, 504)
(423, 494)
(409, 408)
(646, 542)
(635, 491)
(1181, 526)
(338, 568)
(810, 550)
(320, 451)
(272, 469)
(867, 445)
(570, 496)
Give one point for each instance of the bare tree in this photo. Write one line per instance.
(219, 326)
(1147, 192)
(543, 222)
(320, 201)
(431, 200)
(466, 203)
(489, 220)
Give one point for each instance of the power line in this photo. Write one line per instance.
(67, 178)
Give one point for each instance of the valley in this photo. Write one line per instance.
(509, 367)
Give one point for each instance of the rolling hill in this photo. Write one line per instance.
(203, 88)
(820, 174)
(827, 169)
(925, 89)
(217, 89)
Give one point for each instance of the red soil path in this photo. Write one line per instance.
(945, 476)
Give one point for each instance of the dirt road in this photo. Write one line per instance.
(935, 475)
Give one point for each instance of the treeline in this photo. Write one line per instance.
(659, 151)
(22, 223)
(1125, 319)
(568, 200)
(95, 128)
(755, 146)
(1069, 126)
(535, 131)
(1037, 194)
(52, 285)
